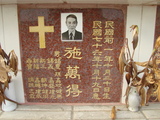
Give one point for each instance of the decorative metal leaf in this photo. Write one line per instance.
(3, 71)
(127, 94)
(157, 74)
(157, 92)
(142, 94)
(113, 113)
(149, 92)
(121, 60)
(134, 70)
(150, 78)
(1, 94)
(144, 64)
(128, 77)
(135, 35)
(135, 40)
(157, 44)
(13, 63)
(4, 55)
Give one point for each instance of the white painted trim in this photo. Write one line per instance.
(11, 38)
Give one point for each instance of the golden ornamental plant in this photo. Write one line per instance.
(8, 64)
(150, 75)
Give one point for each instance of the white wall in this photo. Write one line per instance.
(144, 17)
(9, 39)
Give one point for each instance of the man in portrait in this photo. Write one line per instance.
(71, 33)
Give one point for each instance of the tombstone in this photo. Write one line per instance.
(66, 71)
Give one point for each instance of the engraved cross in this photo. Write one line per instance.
(41, 29)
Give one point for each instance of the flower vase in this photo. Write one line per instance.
(133, 99)
(9, 93)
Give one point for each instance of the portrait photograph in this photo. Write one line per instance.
(71, 27)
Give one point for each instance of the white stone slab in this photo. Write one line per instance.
(45, 107)
(152, 114)
(35, 115)
(96, 115)
(129, 115)
(98, 107)
(151, 106)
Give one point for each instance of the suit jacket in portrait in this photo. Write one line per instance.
(78, 35)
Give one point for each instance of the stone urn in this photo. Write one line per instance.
(134, 99)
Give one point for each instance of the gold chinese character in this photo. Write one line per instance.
(96, 78)
(52, 92)
(108, 40)
(59, 96)
(97, 45)
(31, 79)
(29, 66)
(50, 60)
(31, 94)
(109, 24)
(58, 63)
(97, 65)
(42, 66)
(59, 91)
(44, 91)
(108, 65)
(106, 96)
(107, 78)
(96, 90)
(97, 58)
(108, 58)
(97, 52)
(50, 67)
(31, 85)
(36, 66)
(97, 32)
(35, 60)
(108, 49)
(72, 72)
(107, 83)
(56, 53)
(107, 72)
(97, 24)
(96, 84)
(42, 60)
(29, 60)
(106, 89)
(75, 53)
(74, 90)
(57, 74)
(96, 72)
(109, 32)
(96, 96)
(58, 80)
(45, 85)
(43, 80)
(98, 39)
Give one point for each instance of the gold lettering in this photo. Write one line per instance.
(75, 53)
(109, 24)
(109, 32)
(72, 72)
(109, 40)
(74, 90)
(98, 39)
(97, 32)
(97, 24)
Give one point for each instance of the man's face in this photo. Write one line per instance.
(71, 24)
